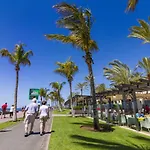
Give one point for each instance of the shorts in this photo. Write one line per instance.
(43, 118)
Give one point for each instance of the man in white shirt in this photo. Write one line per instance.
(31, 111)
(11, 111)
(43, 117)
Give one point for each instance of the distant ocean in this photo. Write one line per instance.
(19, 109)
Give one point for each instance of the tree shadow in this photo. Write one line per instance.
(93, 143)
(141, 138)
(103, 126)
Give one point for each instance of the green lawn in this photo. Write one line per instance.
(8, 124)
(68, 135)
(64, 111)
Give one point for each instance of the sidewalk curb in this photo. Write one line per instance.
(48, 140)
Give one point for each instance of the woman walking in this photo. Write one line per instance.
(11, 111)
(43, 117)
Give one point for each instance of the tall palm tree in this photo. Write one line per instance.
(57, 87)
(82, 86)
(131, 5)
(79, 22)
(120, 73)
(67, 69)
(145, 64)
(141, 32)
(100, 88)
(18, 57)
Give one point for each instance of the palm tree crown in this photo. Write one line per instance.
(67, 69)
(57, 86)
(145, 64)
(82, 86)
(100, 88)
(120, 73)
(79, 22)
(18, 57)
(141, 32)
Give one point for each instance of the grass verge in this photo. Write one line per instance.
(64, 111)
(69, 136)
(9, 124)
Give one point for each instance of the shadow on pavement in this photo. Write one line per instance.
(35, 133)
(5, 131)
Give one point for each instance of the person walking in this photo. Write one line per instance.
(43, 112)
(30, 111)
(11, 111)
(4, 108)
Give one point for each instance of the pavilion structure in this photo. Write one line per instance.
(131, 90)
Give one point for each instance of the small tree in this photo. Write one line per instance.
(81, 87)
(57, 87)
(67, 69)
(17, 58)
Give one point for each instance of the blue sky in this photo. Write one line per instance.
(28, 20)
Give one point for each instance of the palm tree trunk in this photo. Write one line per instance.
(70, 86)
(81, 92)
(135, 110)
(16, 95)
(59, 106)
(95, 112)
(41, 98)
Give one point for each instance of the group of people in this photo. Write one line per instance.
(31, 111)
(4, 110)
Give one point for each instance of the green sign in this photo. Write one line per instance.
(33, 93)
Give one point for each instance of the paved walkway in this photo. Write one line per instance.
(19, 115)
(13, 138)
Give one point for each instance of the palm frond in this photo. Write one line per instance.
(67, 69)
(141, 32)
(131, 5)
(79, 22)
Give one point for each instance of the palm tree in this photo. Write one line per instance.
(120, 73)
(42, 93)
(131, 5)
(67, 69)
(18, 57)
(79, 22)
(81, 87)
(57, 87)
(141, 32)
(100, 88)
(53, 96)
(145, 64)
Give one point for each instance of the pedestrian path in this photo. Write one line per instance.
(13, 138)
(19, 115)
